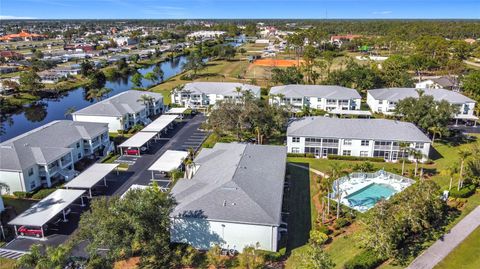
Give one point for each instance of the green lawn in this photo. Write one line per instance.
(6, 263)
(465, 255)
(20, 205)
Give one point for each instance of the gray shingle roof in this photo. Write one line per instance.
(119, 105)
(45, 143)
(322, 91)
(375, 129)
(396, 94)
(236, 183)
(221, 88)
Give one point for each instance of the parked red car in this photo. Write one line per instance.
(131, 151)
(29, 231)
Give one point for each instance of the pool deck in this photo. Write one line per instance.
(355, 184)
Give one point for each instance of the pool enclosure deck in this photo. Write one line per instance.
(351, 186)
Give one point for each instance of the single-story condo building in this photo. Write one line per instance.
(323, 136)
(204, 94)
(448, 83)
(324, 97)
(234, 198)
(385, 100)
(47, 154)
(122, 111)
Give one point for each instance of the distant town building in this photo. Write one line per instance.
(47, 154)
(122, 111)
(204, 94)
(22, 36)
(123, 41)
(11, 55)
(448, 83)
(206, 34)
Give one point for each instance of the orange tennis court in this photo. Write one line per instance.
(277, 62)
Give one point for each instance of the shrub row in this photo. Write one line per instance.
(38, 195)
(464, 192)
(355, 158)
(302, 155)
(364, 260)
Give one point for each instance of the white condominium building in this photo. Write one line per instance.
(323, 136)
(204, 94)
(324, 97)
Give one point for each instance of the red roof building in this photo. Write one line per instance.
(22, 36)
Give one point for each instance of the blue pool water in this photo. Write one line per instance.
(370, 195)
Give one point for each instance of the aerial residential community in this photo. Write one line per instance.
(134, 135)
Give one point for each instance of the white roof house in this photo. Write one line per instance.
(384, 100)
(227, 198)
(123, 110)
(325, 97)
(202, 94)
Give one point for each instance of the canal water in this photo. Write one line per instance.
(50, 109)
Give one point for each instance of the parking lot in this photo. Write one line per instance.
(183, 136)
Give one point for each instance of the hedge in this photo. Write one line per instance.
(39, 195)
(364, 260)
(464, 192)
(21, 194)
(301, 155)
(341, 222)
(355, 158)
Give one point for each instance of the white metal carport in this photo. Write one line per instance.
(137, 141)
(160, 123)
(45, 210)
(170, 160)
(92, 176)
(180, 111)
(134, 187)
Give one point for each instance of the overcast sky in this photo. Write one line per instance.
(177, 9)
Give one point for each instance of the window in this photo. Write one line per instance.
(79, 155)
(33, 184)
(30, 172)
(313, 140)
(296, 139)
(363, 153)
(295, 150)
(347, 153)
(380, 102)
(347, 142)
(78, 145)
(365, 142)
(419, 145)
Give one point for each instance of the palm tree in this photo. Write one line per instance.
(69, 111)
(418, 155)
(4, 187)
(435, 130)
(464, 154)
(336, 171)
(450, 171)
(403, 148)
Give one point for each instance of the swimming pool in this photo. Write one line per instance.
(361, 191)
(368, 196)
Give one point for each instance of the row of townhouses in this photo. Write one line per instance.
(323, 97)
(47, 154)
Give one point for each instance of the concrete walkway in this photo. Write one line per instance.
(440, 249)
(315, 171)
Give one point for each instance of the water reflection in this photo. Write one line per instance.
(50, 109)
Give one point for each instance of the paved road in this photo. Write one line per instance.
(440, 249)
(186, 137)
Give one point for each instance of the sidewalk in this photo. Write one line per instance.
(440, 249)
